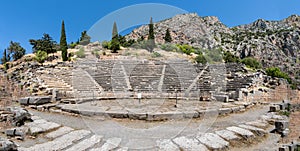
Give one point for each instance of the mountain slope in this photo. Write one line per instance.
(274, 43)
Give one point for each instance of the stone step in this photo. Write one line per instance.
(213, 141)
(228, 135)
(59, 132)
(41, 126)
(166, 145)
(242, 132)
(257, 131)
(189, 144)
(59, 143)
(110, 144)
(86, 143)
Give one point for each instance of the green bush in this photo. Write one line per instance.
(213, 56)
(276, 72)
(41, 56)
(71, 54)
(96, 53)
(80, 53)
(169, 47)
(156, 55)
(228, 57)
(187, 49)
(72, 45)
(115, 46)
(251, 63)
(201, 59)
(106, 44)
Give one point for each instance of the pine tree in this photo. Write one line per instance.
(63, 43)
(16, 50)
(46, 43)
(85, 39)
(168, 37)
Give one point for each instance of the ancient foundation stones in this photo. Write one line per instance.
(228, 135)
(190, 144)
(7, 145)
(166, 145)
(86, 144)
(40, 100)
(110, 144)
(59, 132)
(213, 141)
(240, 131)
(60, 143)
(41, 126)
(258, 131)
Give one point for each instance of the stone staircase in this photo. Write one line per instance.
(51, 80)
(84, 85)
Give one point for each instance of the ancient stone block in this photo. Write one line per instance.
(280, 126)
(228, 135)
(258, 131)
(110, 144)
(224, 111)
(274, 108)
(59, 132)
(40, 100)
(7, 145)
(243, 132)
(221, 98)
(213, 141)
(189, 144)
(87, 143)
(166, 145)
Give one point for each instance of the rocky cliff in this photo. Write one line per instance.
(274, 43)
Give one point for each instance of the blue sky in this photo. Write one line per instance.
(21, 20)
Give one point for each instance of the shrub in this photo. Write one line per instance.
(41, 56)
(228, 57)
(80, 53)
(106, 44)
(213, 56)
(115, 46)
(71, 54)
(251, 63)
(276, 72)
(187, 49)
(72, 45)
(95, 52)
(201, 59)
(169, 47)
(156, 55)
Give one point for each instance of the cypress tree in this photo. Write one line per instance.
(5, 57)
(151, 30)
(115, 33)
(168, 37)
(115, 43)
(63, 43)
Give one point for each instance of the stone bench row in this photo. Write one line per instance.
(148, 116)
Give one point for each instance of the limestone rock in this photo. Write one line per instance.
(166, 145)
(189, 144)
(213, 141)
